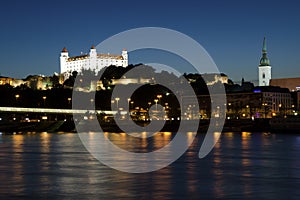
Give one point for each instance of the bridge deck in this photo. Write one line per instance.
(52, 110)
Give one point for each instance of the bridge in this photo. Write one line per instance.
(53, 110)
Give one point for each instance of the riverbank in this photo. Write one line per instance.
(42, 126)
(171, 126)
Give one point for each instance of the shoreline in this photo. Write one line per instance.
(261, 125)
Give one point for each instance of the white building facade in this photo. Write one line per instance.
(92, 61)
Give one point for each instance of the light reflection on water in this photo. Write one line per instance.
(245, 165)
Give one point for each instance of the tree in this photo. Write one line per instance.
(55, 81)
(71, 80)
(86, 77)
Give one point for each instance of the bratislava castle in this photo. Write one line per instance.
(264, 68)
(92, 61)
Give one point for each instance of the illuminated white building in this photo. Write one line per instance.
(92, 61)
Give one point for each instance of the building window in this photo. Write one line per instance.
(264, 76)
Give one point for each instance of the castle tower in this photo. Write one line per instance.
(125, 57)
(93, 58)
(64, 55)
(93, 52)
(264, 68)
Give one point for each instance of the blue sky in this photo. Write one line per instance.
(33, 33)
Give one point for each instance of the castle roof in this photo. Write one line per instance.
(110, 56)
(81, 57)
(101, 56)
(64, 49)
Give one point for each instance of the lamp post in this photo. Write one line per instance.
(248, 111)
(229, 111)
(128, 104)
(265, 109)
(280, 111)
(17, 97)
(128, 101)
(132, 102)
(149, 104)
(112, 104)
(92, 102)
(156, 100)
(159, 96)
(166, 108)
(117, 100)
(69, 101)
(44, 98)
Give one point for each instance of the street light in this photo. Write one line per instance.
(128, 104)
(117, 100)
(159, 96)
(69, 100)
(112, 102)
(128, 100)
(132, 102)
(280, 105)
(156, 100)
(44, 98)
(265, 109)
(17, 97)
(166, 108)
(92, 102)
(149, 103)
(248, 111)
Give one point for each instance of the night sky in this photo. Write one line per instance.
(33, 33)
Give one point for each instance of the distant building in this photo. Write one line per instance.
(264, 68)
(296, 102)
(275, 100)
(92, 61)
(293, 84)
(262, 102)
(212, 78)
(37, 82)
(247, 85)
(11, 81)
(6, 80)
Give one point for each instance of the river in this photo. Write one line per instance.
(241, 165)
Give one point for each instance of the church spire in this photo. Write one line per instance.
(264, 49)
(264, 61)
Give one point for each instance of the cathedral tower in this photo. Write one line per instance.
(264, 68)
